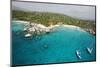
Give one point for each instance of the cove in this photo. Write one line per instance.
(58, 46)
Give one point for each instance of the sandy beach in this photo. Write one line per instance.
(51, 26)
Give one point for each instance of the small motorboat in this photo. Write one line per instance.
(28, 35)
(78, 54)
(89, 50)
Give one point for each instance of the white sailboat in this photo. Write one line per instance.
(78, 54)
(90, 50)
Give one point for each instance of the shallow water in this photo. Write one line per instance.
(58, 46)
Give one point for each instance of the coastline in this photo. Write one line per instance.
(51, 26)
(20, 21)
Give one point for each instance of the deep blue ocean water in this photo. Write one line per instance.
(58, 46)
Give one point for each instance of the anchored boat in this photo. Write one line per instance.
(89, 50)
(28, 35)
(78, 54)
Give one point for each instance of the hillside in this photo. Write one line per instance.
(47, 19)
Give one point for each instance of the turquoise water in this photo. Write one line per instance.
(58, 46)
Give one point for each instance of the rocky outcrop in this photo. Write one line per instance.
(36, 29)
(91, 31)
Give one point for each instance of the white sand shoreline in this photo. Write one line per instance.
(52, 26)
(20, 21)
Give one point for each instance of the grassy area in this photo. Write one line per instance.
(47, 19)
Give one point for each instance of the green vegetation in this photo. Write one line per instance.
(51, 18)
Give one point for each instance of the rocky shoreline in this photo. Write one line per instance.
(39, 29)
(91, 31)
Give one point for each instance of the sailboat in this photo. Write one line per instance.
(78, 54)
(89, 50)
